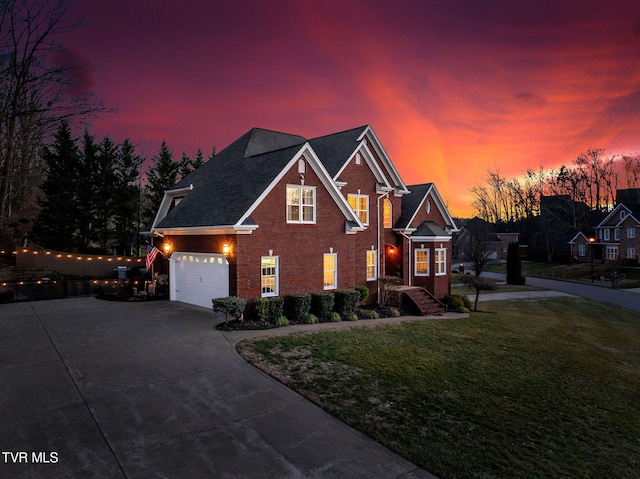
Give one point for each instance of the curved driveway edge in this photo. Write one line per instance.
(97, 389)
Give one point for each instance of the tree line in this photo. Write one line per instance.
(591, 179)
(549, 206)
(62, 192)
(94, 198)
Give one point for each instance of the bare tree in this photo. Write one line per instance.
(477, 253)
(39, 87)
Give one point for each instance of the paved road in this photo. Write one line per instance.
(624, 299)
(97, 389)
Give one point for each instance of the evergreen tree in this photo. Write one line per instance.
(162, 175)
(105, 198)
(85, 191)
(57, 224)
(514, 264)
(126, 214)
(198, 161)
(186, 165)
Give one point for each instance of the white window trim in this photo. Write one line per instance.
(335, 271)
(276, 276)
(631, 253)
(616, 234)
(358, 196)
(387, 201)
(582, 250)
(415, 261)
(631, 232)
(612, 252)
(300, 219)
(607, 234)
(442, 251)
(372, 254)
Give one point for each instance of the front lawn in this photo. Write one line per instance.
(538, 388)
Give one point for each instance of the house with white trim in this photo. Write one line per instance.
(274, 214)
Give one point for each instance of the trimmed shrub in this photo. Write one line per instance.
(322, 305)
(514, 265)
(364, 293)
(269, 310)
(346, 302)
(297, 306)
(230, 306)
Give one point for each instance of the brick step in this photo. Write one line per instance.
(424, 301)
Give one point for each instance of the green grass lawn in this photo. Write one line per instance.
(537, 388)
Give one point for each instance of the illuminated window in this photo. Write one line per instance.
(441, 261)
(330, 271)
(372, 265)
(301, 204)
(386, 213)
(360, 204)
(269, 276)
(422, 262)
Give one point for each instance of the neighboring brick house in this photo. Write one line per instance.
(275, 214)
(619, 233)
(581, 250)
(495, 238)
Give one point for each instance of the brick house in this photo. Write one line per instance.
(618, 234)
(275, 214)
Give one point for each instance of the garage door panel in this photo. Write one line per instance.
(197, 278)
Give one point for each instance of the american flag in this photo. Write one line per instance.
(151, 256)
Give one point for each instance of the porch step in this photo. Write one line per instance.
(425, 302)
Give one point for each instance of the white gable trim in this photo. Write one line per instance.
(325, 179)
(384, 157)
(617, 209)
(433, 191)
(365, 153)
(575, 238)
(168, 197)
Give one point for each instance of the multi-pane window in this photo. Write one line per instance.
(360, 204)
(301, 204)
(330, 271)
(612, 252)
(269, 275)
(372, 265)
(441, 261)
(631, 253)
(616, 234)
(386, 213)
(631, 232)
(582, 250)
(607, 235)
(422, 262)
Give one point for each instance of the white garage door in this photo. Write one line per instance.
(197, 278)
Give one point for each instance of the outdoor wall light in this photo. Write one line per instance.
(167, 248)
(226, 249)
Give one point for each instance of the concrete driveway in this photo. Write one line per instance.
(95, 389)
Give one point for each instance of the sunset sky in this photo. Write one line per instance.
(452, 87)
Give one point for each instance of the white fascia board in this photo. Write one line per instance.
(575, 238)
(430, 239)
(625, 219)
(377, 146)
(206, 230)
(163, 209)
(446, 216)
(320, 170)
(369, 159)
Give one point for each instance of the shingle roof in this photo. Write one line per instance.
(225, 187)
(429, 228)
(335, 149)
(411, 203)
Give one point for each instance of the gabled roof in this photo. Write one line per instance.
(578, 236)
(632, 209)
(429, 229)
(412, 203)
